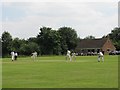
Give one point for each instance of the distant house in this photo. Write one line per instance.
(87, 46)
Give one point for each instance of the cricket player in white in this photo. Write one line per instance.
(68, 55)
(74, 56)
(13, 55)
(34, 55)
(100, 55)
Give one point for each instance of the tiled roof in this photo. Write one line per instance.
(92, 43)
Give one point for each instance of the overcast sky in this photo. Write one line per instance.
(23, 19)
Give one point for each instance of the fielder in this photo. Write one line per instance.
(34, 55)
(68, 55)
(100, 56)
(74, 56)
(13, 55)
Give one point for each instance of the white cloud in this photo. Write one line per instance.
(83, 17)
(24, 29)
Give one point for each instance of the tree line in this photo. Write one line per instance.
(49, 41)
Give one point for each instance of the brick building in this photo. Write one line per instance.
(87, 46)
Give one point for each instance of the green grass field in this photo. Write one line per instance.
(55, 72)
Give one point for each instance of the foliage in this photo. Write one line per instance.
(28, 48)
(68, 38)
(89, 37)
(32, 39)
(49, 41)
(16, 43)
(23, 47)
(6, 43)
(115, 37)
(56, 42)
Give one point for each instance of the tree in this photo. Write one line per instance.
(55, 41)
(115, 37)
(115, 34)
(32, 39)
(28, 48)
(68, 38)
(49, 41)
(89, 37)
(16, 43)
(6, 43)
